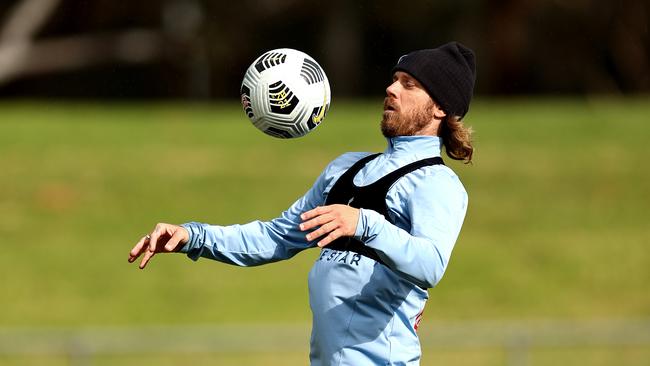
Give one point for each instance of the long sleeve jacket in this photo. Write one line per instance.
(364, 312)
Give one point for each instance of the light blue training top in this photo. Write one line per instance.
(364, 313)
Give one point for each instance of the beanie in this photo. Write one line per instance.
(447, 73)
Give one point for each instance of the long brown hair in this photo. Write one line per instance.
(457, 138)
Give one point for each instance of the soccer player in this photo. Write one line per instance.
(386, 223)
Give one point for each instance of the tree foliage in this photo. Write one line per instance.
(200, 48)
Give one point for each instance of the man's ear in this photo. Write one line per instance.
(438, 113)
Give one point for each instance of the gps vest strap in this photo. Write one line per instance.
(372, 196)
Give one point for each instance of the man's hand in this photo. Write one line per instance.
(334, 221)
(164, 238)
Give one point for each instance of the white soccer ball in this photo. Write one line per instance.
(285, 93)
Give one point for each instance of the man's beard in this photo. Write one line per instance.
(395, 124)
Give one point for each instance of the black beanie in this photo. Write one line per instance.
(447, 73)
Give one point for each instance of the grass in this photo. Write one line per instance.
(557, 224)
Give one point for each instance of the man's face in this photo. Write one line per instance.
(408, 109)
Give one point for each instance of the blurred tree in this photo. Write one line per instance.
(23, 53)
(200, 48)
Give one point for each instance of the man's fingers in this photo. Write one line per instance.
(164, 238)
(335, 221)
(175, 240)
(315, 212)
(146, 258)
(153, 239)
(330, 226)
(172, 242)
(316, 221)
(330, 238)
(138, 249)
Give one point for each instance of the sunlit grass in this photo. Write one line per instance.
(556, 225)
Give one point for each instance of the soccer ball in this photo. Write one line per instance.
(285, 93)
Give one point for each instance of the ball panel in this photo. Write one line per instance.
(281, 99)
(311, 72)
(269, 60)
(276, 132)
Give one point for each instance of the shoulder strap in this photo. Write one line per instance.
(354, 169)
(384, 183)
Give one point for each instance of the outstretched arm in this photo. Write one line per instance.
(251, 244)
(254, 243)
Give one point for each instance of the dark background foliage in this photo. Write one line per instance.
(199, 49)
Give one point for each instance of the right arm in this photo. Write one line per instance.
(260, 242)
(251, 244)
(257, 242)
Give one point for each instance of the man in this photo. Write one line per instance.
(386, 223)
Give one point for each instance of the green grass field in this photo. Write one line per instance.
(556, 228)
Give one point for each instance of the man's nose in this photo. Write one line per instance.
(392, 89)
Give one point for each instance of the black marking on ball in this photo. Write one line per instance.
(269, 60)
(281, 98)
(311, 72)
(276, 132)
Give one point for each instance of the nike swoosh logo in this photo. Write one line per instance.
(317, 119)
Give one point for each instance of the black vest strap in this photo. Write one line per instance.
(372, 196)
